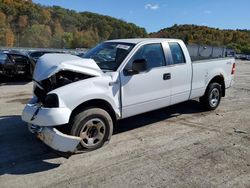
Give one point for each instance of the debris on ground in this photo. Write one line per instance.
(239, 131)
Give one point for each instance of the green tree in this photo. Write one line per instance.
(9, 38)
(67, 39)
(2, 28)
(37, 36)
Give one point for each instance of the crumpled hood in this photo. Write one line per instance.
(50, 64)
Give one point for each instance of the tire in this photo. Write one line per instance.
(212, 97)
(94, 126)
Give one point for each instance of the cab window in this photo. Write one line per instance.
(153, 54)
(177, 53)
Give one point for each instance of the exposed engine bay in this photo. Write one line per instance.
(57, 80)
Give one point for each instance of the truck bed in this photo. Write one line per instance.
(202, 73)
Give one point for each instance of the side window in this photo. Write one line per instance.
(153, 54)
(19, 59)
(177, 53)
(3, 58)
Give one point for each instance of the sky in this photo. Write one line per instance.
(154, 15)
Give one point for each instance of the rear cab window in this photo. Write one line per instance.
(176, 53)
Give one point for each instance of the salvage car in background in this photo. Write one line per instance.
(14, 64)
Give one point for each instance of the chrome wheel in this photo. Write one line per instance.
(92, 133)
(214, 97)
(94, 126)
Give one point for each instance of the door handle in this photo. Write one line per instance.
(166, 76)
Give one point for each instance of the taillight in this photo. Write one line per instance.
(233, 69)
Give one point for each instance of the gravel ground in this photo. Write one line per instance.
(178, 146)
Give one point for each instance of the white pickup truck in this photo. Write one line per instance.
(84, 97)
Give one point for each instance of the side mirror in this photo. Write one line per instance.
(138, 65)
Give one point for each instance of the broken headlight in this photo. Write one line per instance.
(51, 101)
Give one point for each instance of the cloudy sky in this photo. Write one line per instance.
(157, 14)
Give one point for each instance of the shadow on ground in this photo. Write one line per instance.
(5, 81)
(189, 107)
(22, 153)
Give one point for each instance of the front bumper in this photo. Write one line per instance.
(44, 117)
(58, 141)
(42, 121)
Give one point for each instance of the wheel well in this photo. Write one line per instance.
(99, 103)
(219, 80)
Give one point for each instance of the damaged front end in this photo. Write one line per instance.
(46, 110)
(50, 135)
(56, 139)
(60, 79)
(57, 70)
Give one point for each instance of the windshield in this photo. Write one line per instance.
(109, 55)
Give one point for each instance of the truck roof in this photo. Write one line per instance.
(139, 40)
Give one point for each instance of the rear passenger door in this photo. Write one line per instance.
(181, 73)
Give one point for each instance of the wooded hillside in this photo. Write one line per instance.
(238, 40)
(25, 24)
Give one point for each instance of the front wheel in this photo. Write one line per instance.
(94, 126)
(212, 97)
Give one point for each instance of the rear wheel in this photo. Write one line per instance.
(212, 97)
(94, 126)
